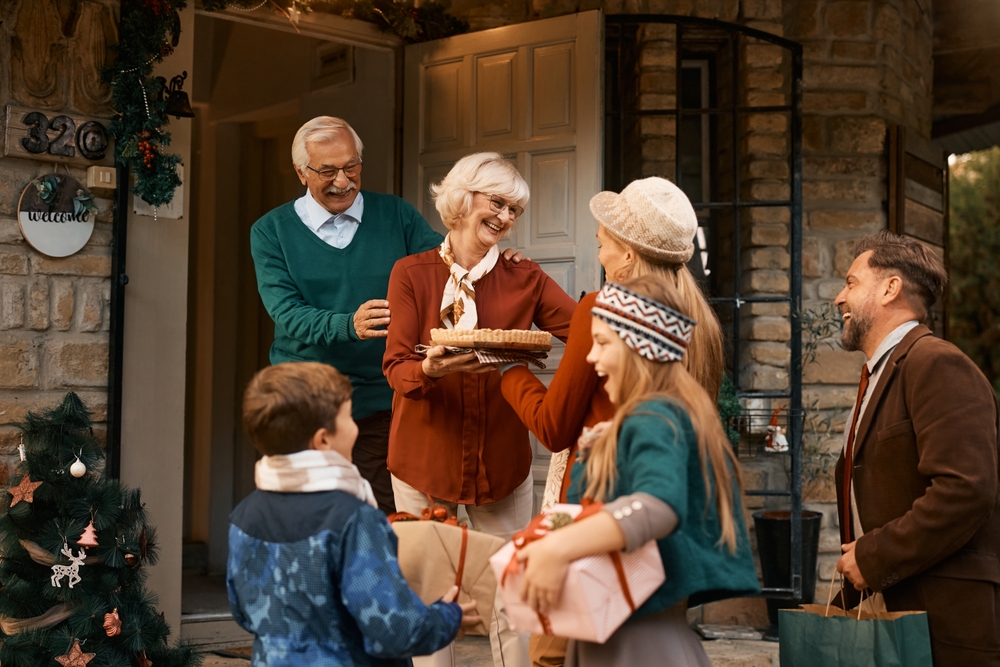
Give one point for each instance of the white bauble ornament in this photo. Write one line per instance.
(78, 469)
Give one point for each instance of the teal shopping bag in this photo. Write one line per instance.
(818, 635)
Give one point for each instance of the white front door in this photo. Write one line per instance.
(532, 92)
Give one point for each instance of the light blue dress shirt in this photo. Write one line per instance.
(337, 230)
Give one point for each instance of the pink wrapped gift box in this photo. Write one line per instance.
(592, 604)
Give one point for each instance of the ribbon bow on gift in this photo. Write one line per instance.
(541, 526)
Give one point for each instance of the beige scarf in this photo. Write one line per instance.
(312, 470)
(458, 304)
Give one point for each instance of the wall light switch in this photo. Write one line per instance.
(101, 178)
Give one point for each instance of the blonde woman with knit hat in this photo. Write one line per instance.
(648, 229)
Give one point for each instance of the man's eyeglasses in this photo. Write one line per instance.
(497, 204)
(350, 171)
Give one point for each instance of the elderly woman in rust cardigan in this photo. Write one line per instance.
(454, 437)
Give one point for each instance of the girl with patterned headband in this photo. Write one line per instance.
(664, 471)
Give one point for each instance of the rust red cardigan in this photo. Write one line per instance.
(455, 437)
(575, 397)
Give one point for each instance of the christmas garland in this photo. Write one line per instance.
(150, 29)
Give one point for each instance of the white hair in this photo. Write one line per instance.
(489, 173)
(320, 128)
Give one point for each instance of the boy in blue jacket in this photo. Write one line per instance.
(312, 567)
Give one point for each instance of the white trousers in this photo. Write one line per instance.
(502, 518)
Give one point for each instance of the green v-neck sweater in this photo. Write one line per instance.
(311, 289)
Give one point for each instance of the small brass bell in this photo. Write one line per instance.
(178, 104)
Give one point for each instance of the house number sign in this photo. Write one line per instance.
(56, 137)
(56, 215)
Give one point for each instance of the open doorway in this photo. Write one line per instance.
(254, 85)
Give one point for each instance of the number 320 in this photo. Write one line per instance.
(91, 140)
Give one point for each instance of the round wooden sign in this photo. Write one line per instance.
(56, 215)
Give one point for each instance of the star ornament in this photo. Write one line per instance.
(75, 657)
(25, 490)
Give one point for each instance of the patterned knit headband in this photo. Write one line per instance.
(656, 332)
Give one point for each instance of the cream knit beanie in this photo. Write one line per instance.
(652, 216)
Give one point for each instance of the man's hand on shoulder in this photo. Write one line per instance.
(369, 316)
(515, 256)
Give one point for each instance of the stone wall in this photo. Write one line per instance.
(54, 313)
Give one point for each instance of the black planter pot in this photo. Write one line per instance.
(774, 544)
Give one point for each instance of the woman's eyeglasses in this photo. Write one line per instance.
(497, 204)
(350, 171)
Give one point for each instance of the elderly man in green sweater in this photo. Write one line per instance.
(323, 264)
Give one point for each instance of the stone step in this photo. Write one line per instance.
(213, 631)
(741, 653)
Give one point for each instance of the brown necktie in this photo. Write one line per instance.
(849, 455)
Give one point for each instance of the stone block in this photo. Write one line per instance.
(769, 235)
(768, 215)
(823, 167)
(764, 55)
(818, 485)
(764, 378)
(11, 304)
(829, 289)
(841, 190)
(657, 126)
(750, 612)
(761, 9)
(864, 51)
(652, 102)
(62, 303)
(10, 232)
(723, 10)
(857, 135)
(97, 403)
(658, 148)
(772, 309)
(657, 82)
(13, 262)
(766, 258)
(102, 236)
(661, 55)
(891, 106)
(78, 362)
(765, 79)
(815, 50)
(770, 123)
(38, 304)
(772, 27)
(846, 18)
(812, 133)
(843, 257)
(811, 258)
(834, 366)
(771, 169)
(826, 101)
(828, 398)
(861, 220)
(18, 363)
(16, 173)
(767, 354)
(14, 408)
(769, 329)
(74, 265)
(665, 31)
(91, 307)
(820, 76)
(767, 190)
(888, 24)
(766, 144)
(766, 99)
(765, 281)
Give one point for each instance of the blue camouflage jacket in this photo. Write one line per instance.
(314, 577)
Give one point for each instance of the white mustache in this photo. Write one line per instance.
(334, 190)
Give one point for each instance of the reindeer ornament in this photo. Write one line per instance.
(72, 571)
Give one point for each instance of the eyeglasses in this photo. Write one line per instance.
(350, 171)
(497, 204)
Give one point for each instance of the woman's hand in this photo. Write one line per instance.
(544, 574)
(470, 617)
(439, 363)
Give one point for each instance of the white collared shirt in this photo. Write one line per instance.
(875, 366)
(337, 230)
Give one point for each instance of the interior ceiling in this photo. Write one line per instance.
(967, 72)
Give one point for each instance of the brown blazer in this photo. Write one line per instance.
(926, 482)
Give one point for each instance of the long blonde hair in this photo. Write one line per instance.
(643, 380)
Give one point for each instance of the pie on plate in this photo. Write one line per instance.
(508, 339)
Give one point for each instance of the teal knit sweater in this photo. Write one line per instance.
(311, 289)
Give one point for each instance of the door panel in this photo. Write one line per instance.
(533, 93)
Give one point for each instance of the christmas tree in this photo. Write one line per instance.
(72, 549)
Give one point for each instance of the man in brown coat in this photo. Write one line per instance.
(917, 484)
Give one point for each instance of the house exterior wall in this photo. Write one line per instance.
(54, 312)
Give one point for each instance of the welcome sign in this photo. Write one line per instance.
(56, 215)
